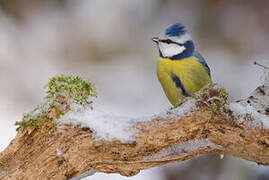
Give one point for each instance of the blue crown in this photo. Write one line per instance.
(175, 30)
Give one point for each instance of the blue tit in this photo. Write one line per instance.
(181, 70)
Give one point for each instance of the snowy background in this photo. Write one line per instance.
(110, 43)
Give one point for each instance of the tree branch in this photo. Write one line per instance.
(211, 127)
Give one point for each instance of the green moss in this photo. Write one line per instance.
(213, 96)
(30, 120)
(63, 93)
(69, 89)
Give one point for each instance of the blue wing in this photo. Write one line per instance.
(202, 61)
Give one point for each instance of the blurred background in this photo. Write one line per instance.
(109, 42)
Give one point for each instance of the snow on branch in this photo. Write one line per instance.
(66, 138)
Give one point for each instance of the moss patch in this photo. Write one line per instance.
(213, 96)
(69, 89)
(63, 93)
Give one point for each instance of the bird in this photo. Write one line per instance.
(181, 70)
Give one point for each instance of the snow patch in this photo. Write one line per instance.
(59, 153)
(248, 115)
(105, 126)
(179, 112)
(109, 127)
(3, 174)
(183, 147)
(84, 175)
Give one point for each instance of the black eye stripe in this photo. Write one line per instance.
(167, 41)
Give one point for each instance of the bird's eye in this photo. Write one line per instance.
(168, 41)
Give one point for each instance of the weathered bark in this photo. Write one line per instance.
(69, 152)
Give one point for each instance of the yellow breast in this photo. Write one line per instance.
(192, 75)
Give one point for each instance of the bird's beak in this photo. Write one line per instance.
(155, 39)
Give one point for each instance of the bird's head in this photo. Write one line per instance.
(176, 43)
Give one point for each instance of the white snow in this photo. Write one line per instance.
(248, 115)
(179, 112)
(59, 153)
(109, 127)
(85, 174)
(3, 174)
(183, 147)
(105, 126)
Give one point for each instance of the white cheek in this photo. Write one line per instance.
(169, 50)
